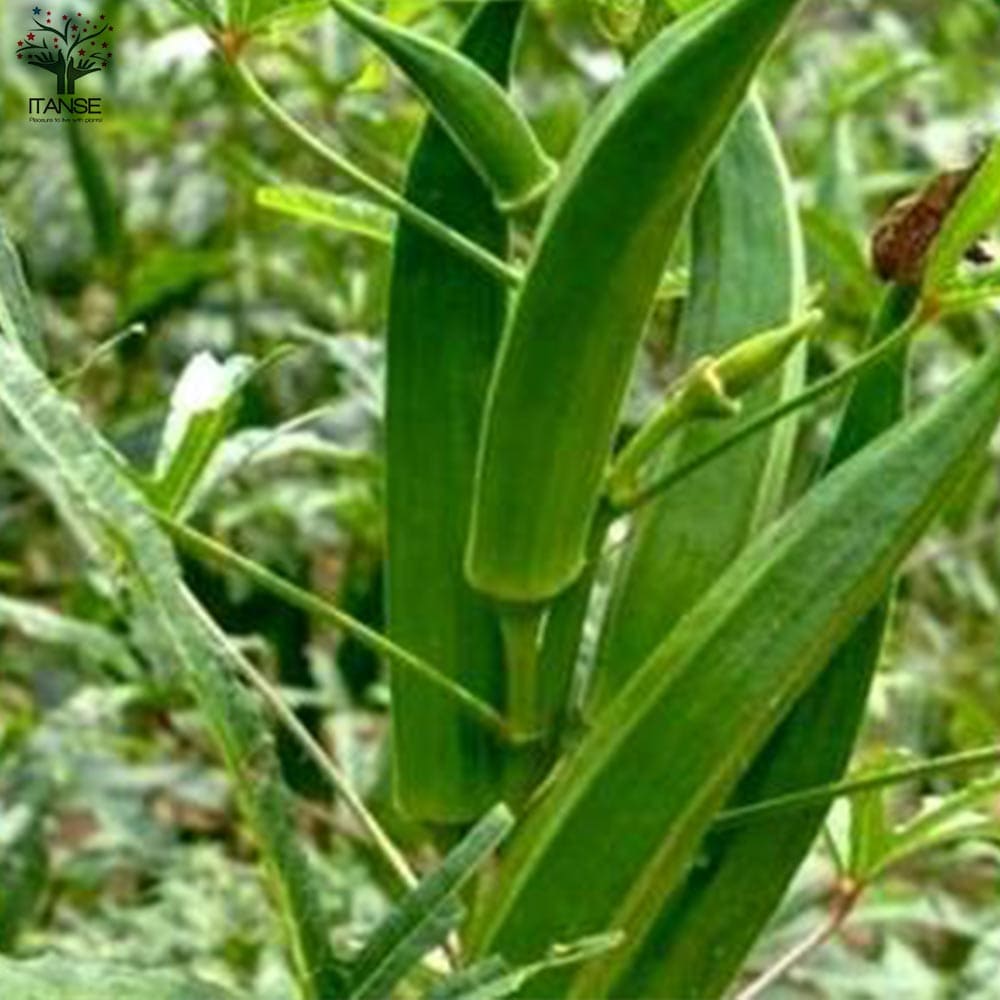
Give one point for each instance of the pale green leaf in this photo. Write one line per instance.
(56, 978)
(349, 215)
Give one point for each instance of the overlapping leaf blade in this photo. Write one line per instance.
(748, 273)
(428, 914)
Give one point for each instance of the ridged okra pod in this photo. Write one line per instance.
(569, 349)
(446, 318)
(470, 105)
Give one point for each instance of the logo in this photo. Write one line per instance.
(70, 46)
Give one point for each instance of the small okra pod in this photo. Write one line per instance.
(475, 111)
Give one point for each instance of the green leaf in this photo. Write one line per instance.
(54, 977)
(977, 208)
(201, 408)
(494, 979)
(428, 914)
(445, 321)
(869, 829)
(17, 312)
(844, 264)
(954, 817)
(94, 643)
(748, 273)
(98, 191)
(209, 663)
(630, 806)
(571, 342)
(469, 103)
(349, 215)
(168, 274)
(702, 935)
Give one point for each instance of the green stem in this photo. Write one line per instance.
(381, 192)
(821, 794)
(341, 785)
(772, 415)
(207, 549)
(675, 411)
(519, 626)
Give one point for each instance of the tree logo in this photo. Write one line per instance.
(68, 46)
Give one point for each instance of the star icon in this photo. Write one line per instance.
(37, 11)
(19, 42)
(104, 45)
(30, 36)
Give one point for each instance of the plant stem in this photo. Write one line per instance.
(821, 794)
(843, 903)
(207, 549)
(334, 775)
(674, 412)
(519, 627)
(501, 270)
(771, 416)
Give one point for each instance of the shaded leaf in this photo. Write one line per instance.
(425, 917)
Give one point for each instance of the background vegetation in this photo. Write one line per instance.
(147, 243)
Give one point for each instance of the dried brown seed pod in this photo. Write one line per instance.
(907, 230)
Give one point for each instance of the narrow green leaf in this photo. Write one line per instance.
(445, 321)
(209, 662)
(428, 914)
(704, 933)
(94, 643)
(349, 215)
(55, 977)
(17, 312)
(748, 272)
(569, 348)
(977, 208)
(631, 805)
(869, 833)
(201, 408)
(494, 979)
(761, 809)
(838, 184)
(469, 103)
(844, 265)
(98, 191)
(205, 548)
(952, 818)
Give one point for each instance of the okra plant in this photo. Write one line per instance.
(625, 814)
